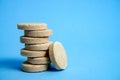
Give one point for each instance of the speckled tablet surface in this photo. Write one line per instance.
(30, 40)
(58, 55)
(32, 26)
(37, 46)
(38, 33)
(39, 60)
(29, 53)
(27, 67)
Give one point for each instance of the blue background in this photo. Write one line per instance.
(88, 29)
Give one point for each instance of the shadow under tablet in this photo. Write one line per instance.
(15, 64)
(53, 69)
(11, 63)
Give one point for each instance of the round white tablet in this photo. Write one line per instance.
(58, 55)
(29, 53)
(38, 33)
(27, 67)
(32, 26)
(30, 40)
(38, 60)
(37, 46)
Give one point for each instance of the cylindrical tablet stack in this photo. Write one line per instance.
(36, 46)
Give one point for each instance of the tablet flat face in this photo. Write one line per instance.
(58, 55)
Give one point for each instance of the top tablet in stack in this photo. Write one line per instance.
(32, 26)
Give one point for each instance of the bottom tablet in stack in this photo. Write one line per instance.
(27, 67)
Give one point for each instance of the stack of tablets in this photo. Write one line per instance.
(36, 46)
